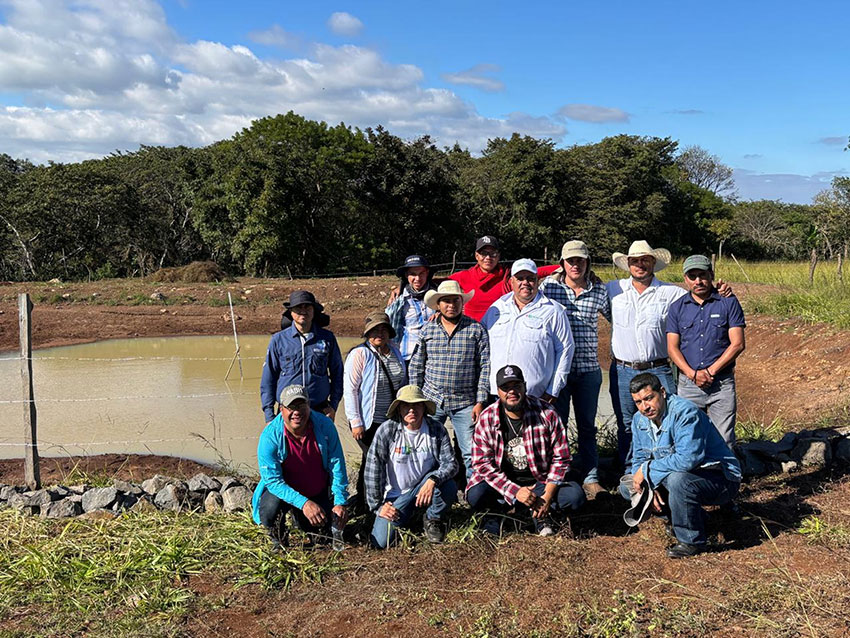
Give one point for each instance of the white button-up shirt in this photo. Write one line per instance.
(639, 321)
(536, 339)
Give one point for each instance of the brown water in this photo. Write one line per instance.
(162, 396)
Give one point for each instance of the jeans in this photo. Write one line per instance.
(384, 532)
(463, 429)
(583, 389)
(719, 401)
(272, 511)
(685, 493)
(482, 497)
(624, 406)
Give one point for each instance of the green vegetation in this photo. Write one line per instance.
(817, 530)
(132, 574)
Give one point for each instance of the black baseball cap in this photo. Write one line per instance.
(488, 241)
(509, 374)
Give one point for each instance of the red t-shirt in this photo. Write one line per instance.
(302, 468)
(488, 286)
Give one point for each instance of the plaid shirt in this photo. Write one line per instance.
(453, 371)
(545, 446)
(583, 311)
(375, 475)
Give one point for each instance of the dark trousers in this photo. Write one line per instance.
(364, 444)
(273, 511)
(482, 497)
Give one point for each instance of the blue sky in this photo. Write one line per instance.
(762, 85)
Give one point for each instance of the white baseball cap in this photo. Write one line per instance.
(523, 264)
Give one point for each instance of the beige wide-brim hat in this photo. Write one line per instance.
(449, 288)
(641, 248)
(411, 394)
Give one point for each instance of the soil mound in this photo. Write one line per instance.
(196, 272)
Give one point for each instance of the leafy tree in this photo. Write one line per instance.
(705, 170)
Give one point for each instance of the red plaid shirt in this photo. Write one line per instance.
(545, 441)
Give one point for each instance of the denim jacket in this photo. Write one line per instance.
(685, 441)
(315, 363)
(271, 453)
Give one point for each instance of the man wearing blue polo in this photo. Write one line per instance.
(705, 335)
(303, 354)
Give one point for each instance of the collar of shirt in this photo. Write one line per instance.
(539, 299)
(293, 332)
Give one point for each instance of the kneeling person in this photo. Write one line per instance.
(409, 467)
(680, 455)
(302, 469)
(520, 457)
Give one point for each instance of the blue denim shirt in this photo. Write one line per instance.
(685, 441)
(319, 370)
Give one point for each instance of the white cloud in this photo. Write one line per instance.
(477, 77)
(593, 113)
(788, 187)
(276, 36)
(91, 83)
(343, 23)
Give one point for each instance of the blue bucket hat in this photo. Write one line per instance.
(412, 261)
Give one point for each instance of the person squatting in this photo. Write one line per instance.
(505, 351)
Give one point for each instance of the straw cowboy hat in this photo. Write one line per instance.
(641, 248)
(449, 288)
(411, 394)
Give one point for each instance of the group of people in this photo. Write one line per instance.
(505, 353)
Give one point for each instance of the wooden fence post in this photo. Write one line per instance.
(32, 476)
(812, 265)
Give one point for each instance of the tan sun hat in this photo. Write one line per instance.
(411, 394)
(375, 319)
(449, 288)
(641, 248)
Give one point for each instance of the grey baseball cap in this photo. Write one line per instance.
(292, 393)
(697, 262)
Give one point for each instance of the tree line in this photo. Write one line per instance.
(291, 195)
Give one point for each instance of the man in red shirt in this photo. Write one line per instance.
(488, 278)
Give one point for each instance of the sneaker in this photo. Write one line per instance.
(545, 528)
(434, 530)
(492, 525)
(594, 489)
(684, 550)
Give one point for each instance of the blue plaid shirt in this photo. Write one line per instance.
(453, 371)
(583, 311)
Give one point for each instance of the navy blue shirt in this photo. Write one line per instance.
(316, 364)
(704, 329)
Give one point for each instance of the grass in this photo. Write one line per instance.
(133, 574)
(817, 530)
(754, 430)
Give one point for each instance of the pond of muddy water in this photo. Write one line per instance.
(162, 396)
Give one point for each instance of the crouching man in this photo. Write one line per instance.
(678, 454)
(409, 469)
(302, 470)
(520, 457)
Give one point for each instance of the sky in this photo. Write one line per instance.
(764, 86)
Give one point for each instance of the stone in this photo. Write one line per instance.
(768, 448)
(79, 489)
(842, 450)
(127, 487)
(203, 483)
(213, 502)
(227, 482)
(7, 491)
(812, 451)
(154, 485)
(98, 515)
(126, 502)
(59, 492)
(64, 508)
(143, 505)
(236, 498)
(39, 498)
(21, 502)
(789, 466)
(751, 464)
(99, 498)
(171, 497)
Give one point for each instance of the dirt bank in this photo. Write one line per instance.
(790, 370)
